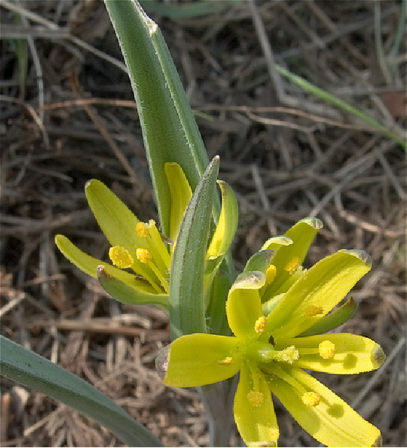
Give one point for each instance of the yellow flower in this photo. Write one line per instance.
(272, 349)
(140, 255)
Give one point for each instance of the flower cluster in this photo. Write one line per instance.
(278, 313)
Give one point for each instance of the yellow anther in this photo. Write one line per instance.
(255, 398)
(271, 273)
(314, 310)
(260, 324)
(311, 399)
(143, 255)
(289, 354)
(142, 229)
(120, 257)
(326, 349)
(227, 361)
(292, 265)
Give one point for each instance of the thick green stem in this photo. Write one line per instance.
(218, 401)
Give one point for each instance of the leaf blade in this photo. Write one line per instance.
(40, 374)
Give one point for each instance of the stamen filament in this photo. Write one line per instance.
(255, 397)
(160, 276)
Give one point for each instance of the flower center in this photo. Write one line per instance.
(264, 352)
(151, 260)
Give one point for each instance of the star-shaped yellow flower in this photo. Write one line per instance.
(275, 341)
(139, 253)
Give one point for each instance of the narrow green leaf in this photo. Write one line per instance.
(216, 310)
(340, 104)
(187, 302)
(40, 374)
(169, 128)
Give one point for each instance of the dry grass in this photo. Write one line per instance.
(68, 115)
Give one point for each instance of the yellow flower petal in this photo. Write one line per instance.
(227, 224)
(331, 421)
(181, 194)
(199, 359)
(353, 353)
(321, 287)
(254, 411)
(289, 257)
(243, 306)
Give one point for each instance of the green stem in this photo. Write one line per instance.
(217, 399)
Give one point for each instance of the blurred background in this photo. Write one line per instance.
(68, 115)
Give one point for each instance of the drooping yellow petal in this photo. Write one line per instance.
(199, 359)
(121, 285)
(353, 353)
(316, 292)
(327, 417)
(118, 223)
(243, 306)
(254, 411)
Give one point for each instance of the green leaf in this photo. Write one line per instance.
(187, 302)
(216, 310)
(40, 374)
(169, 128)
(340, 104)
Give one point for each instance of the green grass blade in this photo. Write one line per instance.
(34, 371)
(340, 104)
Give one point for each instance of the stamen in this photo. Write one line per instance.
(260, 324)
(120, 257)
(326, 349)
(311, 399)
(142, 229)
(271, 273)
(227, 361)
(255, 398)
(314, 310)
(143, 255)
(292, 265)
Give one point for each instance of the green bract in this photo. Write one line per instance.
(270, 349)
(141, 256)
